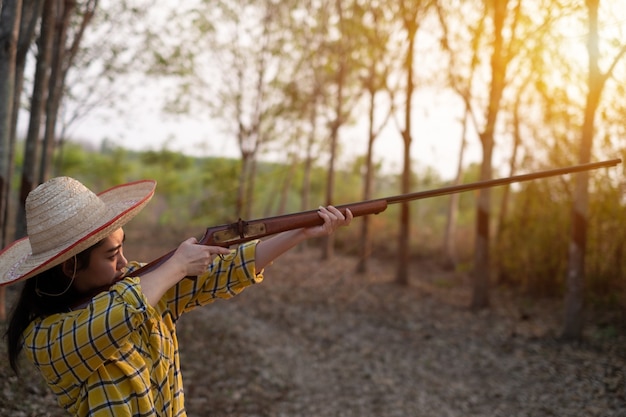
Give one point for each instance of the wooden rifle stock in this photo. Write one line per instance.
(243, 231)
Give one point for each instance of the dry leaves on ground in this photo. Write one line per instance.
(316, 339)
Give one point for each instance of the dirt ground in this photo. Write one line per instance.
(316, 339)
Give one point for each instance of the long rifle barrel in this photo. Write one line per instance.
(453, 189)
(243, 231)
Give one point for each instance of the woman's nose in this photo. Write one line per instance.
(121, 261)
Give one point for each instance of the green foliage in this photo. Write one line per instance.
(532, 249)
(530, 252)
(99, 170)
(606, 243)
(217, 190)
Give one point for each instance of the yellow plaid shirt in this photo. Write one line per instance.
(118, 356)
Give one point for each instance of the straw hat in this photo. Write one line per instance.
(63, 218)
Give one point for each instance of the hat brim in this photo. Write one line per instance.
(123, 202)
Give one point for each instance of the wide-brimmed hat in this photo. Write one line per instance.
(63, 218)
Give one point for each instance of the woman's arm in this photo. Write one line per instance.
(243, 267)
(191, 259)
(272, 248)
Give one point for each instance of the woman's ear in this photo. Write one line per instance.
(69, 267)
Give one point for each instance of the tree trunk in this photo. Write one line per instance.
(243, 139)
(31, 12)
(449, 248)
(366, 243)
(249, 207)
(464, 90)
(308, 159)
(402, 271)
(240, 202)
(329, 241)
(506, 194)
(10, 18)
(481, 273)
(60, 61)
(573, 324)
(286, 184)
(70, 49)
(38, 98)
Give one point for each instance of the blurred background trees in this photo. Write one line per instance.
(299, 85)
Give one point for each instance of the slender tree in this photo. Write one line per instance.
(573, 325)
(19, 20)
(376, 69)
(462, 85)
(311, 141)
(306, 98)
(38, 98)
(340, 54)
(68, 36)
(31, 15)
(10, 17)
(450, 256)
(231, 73)
(501, 56)
(410, 13)
(342, 45)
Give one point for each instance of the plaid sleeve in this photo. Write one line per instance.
(225, 278)
(70, 346)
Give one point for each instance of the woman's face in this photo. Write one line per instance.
(106, 263)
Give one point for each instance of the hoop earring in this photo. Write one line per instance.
(42, 293)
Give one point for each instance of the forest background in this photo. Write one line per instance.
(536, 84)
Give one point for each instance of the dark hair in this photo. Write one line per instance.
(44, 294)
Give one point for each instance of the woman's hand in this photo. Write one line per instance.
(194, 259)
(189, 259)
(333, 219)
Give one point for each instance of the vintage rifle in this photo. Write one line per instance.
(242, 231)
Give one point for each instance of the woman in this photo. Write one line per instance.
(106, 342)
